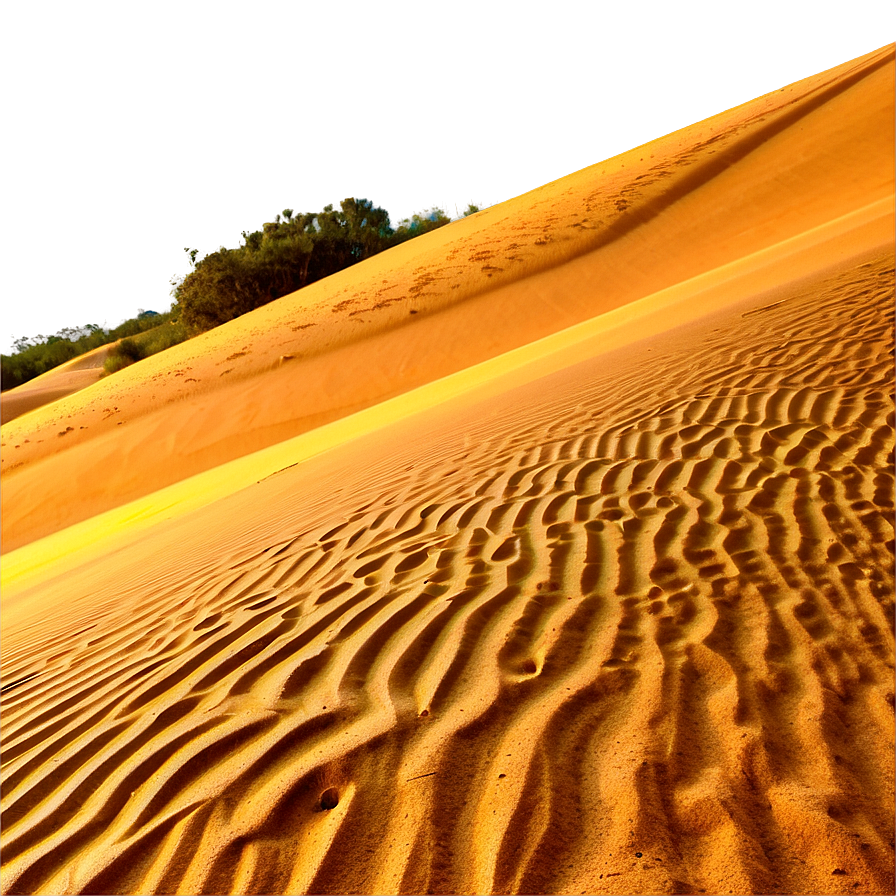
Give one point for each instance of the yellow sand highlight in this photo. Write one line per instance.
(837, 240)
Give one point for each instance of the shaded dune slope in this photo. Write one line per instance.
(625, 628)
(596, 240)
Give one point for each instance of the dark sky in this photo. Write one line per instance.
(137, 131)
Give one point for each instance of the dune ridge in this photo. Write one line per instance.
(835, 242)
(658, 215)
(60, 382)
(468, 663)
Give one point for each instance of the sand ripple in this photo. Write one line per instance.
(625, 629)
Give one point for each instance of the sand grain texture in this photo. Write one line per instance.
(659, 215)
(613, 614)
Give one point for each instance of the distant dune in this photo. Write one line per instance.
(549, 552)
(66, 379)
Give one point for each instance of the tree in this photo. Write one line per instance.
(287, 254)
(426, 221)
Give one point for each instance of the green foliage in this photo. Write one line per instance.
(288, 254)
(114, 363)
(34, 358)
(162, 337)
(133, 326)
(419, 224)
(38, 354)
(150, 342)
(129, 349)
(471, 210)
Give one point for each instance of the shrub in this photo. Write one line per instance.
(130, 349)
(145, 344)
(123, 355)
(287, 255)
(163, 337)
(115, 362)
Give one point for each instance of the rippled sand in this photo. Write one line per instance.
(607, 608)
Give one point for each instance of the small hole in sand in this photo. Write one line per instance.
(329, 799)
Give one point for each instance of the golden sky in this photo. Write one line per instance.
(139, 130)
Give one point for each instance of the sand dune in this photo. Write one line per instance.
(611, 612)
(61, 381)
(621, 230)
(523, 591)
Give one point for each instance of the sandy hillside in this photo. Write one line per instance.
(611, 234)
(66, 379)
(600, 600)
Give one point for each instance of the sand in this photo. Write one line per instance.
(579, 579)
(66, 379)
(622, 230)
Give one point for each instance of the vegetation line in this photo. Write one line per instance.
(285, 255)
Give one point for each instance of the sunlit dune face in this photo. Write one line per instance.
(683, 206)
(601, 600)
(654, 579)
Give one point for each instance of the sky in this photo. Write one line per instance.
(135, 131)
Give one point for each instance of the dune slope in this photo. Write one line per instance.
(611, 234)
(580, 579)
(625, 628)
(61, 381)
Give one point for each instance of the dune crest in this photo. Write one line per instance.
(596, 240)
(60, 382)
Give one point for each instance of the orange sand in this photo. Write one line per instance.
(579, 579)
(66, 379)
